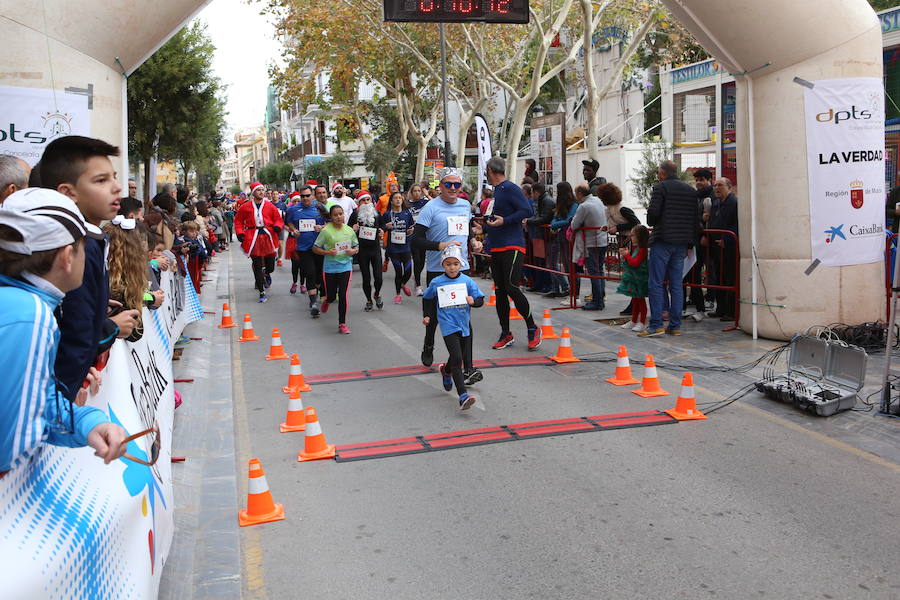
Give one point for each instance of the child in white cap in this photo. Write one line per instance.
(41, 258)
(455, 293)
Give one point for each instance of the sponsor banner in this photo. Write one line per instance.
(483, 136)
(72, 527)
(845, 150)
(706, 68)
(31, 118)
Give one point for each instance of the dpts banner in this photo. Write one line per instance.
(31, 118)
(845, 149)
(72, 527)
(483, 135)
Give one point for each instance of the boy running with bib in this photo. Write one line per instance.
(454, 292)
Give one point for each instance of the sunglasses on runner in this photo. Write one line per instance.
(155, 445)
(452, 185)
(306, 195)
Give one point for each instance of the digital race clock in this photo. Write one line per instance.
(457, 11)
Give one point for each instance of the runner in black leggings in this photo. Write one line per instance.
(417, 201)
(506, 240)
(397, 222)
(364, 222)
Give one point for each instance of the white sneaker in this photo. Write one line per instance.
(697, 316)
(420, 291)
(639, 327)
(627, 325)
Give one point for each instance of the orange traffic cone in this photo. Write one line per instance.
(492, 301)
(650, 384)
(564, 354)
(260, 506)
(295, 419)
(315, 447)
(623, 370)
(276, 350)
(547, 332)
(295, 379)
(248, 335)
(513, 311)
(686, 404)
(227, 321)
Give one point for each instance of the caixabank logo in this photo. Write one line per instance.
(855, 231)
(55, 124)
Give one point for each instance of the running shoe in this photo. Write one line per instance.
(268, 281)
(302, 289)
(342, 328)
(446, 379)
(398, 299)
(473, 377)
(420, 291)
(406, 291)
(506, 339)
(314, 310)
(673, 332)
(427, 355)
(325, 307)
(368, 307)
(638, 327)
(628, 325)
(263, 298)
(534, 339)
(466, 401)
(294, 288)
(379, 303)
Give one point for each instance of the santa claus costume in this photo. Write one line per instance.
(257, 224)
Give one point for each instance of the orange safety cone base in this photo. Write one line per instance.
(249, 339)
(285, 428)
(559, 359)
(514, 315)
(683, 416)
(328, 452)
(549, 336)
(303, 388)
(228, 326)
(615, 381)
(277, 356)
(492, 301)
(276, 515)
(650, 394)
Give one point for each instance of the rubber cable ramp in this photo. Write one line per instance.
(514, 361)
(502, 433)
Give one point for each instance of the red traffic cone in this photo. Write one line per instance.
(247, 334)
(623, 370)
(650, 384)
(314, 447)
(547, 332)
(296, 418)
(295, 378)
(276, 350)
(564, 353)
(260, 506)
(227, 321)
(686, 404)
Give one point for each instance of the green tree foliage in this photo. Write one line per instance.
(234, 190)
(655, 151)
(880, 5)
(337, 165)
(380, 158)
(276, 174)
(175, 106)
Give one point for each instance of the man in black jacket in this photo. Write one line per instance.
(722, 247)
(675, 217)
(543, 214)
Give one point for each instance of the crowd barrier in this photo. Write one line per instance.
(716, 267)
(72, 527)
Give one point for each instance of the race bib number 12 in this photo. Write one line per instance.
(457, 225)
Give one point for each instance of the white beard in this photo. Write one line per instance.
(366, 215)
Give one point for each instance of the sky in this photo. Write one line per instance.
(245, 46)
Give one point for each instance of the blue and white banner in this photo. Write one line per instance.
(72, 527)
(845, 150)
(483, 135)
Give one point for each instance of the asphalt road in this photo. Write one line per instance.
(745, 504)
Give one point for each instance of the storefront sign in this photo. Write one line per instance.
(698, 71)
(845, 151)
(890, 21)
(72, 527)
(31, 118)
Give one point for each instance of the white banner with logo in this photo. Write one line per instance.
(845, 149)
(72, 527)
(31, 118)
(483, 135)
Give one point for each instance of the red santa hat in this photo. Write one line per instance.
(255, 185)
(336, 185)
(312, 182)
(294, 194)
(363, 195)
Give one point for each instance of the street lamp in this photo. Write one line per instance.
(537, 111)
(294, 181)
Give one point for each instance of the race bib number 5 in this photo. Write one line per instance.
(452, 295)
(458, 225)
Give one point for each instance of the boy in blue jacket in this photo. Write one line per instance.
(42, 256)
(455, 293)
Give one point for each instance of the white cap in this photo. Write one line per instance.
(44, 218)
(452, 251)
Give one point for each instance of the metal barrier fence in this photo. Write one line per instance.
(717, 266)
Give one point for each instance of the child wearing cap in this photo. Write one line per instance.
(455, 293)
(42, 256)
